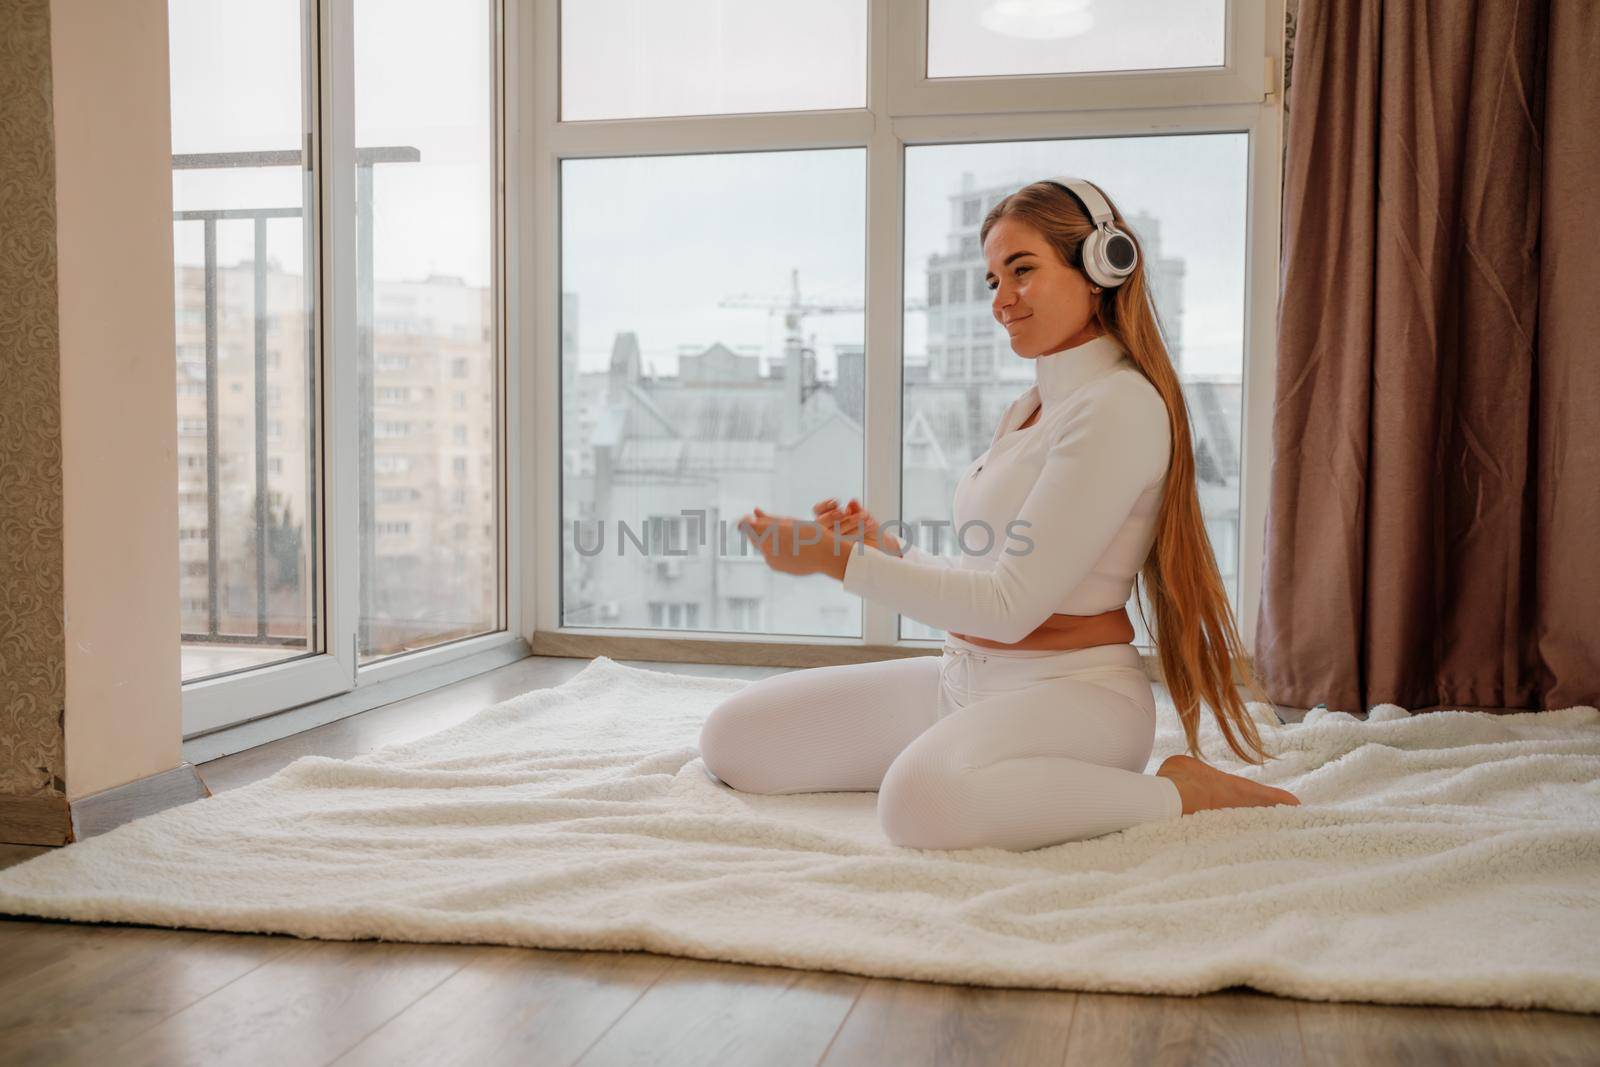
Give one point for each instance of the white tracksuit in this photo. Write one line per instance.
(985, 747)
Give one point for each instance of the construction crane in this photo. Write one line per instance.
(795, 309)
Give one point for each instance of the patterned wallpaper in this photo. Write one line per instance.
(1291, 15)
(32, 642)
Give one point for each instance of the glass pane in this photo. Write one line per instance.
(1185, 198)
(426, 325)
(718, 369)
(247, 527)
(625, 59)
(973, 38)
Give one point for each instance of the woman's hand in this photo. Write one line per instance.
(854, 522)
(797, 546)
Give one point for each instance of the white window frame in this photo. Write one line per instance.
(904, 109)
(213, 705)
(1240, 80)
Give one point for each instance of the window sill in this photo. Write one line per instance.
(451, 665)
(742, 650)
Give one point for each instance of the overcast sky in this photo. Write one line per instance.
(422, 81)
(653, 245)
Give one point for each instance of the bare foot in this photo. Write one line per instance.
(1204, 787)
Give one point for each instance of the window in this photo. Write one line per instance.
(338, 194)
(694, 351)
(627, 59)
(675, 614)
(667, 533)
(976, 38)
(423, 110)
(1178, 193)
(242, 219)
(1224, 531)
(721, 341)
(743, 613)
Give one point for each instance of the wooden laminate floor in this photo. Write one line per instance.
(75, 993)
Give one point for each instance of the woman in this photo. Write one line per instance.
(1034, 726)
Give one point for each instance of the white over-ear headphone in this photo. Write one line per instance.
(1109, 254)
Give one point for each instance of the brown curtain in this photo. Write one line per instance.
(1433, 530)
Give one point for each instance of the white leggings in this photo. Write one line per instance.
(975, 748)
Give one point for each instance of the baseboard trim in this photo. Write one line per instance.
(110, 808)
(55, 821)
(40, 820)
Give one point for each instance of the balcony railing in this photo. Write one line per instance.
(366, 159)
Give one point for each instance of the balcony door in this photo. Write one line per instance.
(338, 359)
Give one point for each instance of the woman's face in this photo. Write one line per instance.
(1044, 304)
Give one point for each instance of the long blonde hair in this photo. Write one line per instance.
(1196, 636)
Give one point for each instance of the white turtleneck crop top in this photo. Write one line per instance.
(1058, 517)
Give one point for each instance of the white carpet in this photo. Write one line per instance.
(1449, 858)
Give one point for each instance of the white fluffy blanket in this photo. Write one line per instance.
(1447, 858)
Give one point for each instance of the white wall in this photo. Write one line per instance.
(118, 403)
